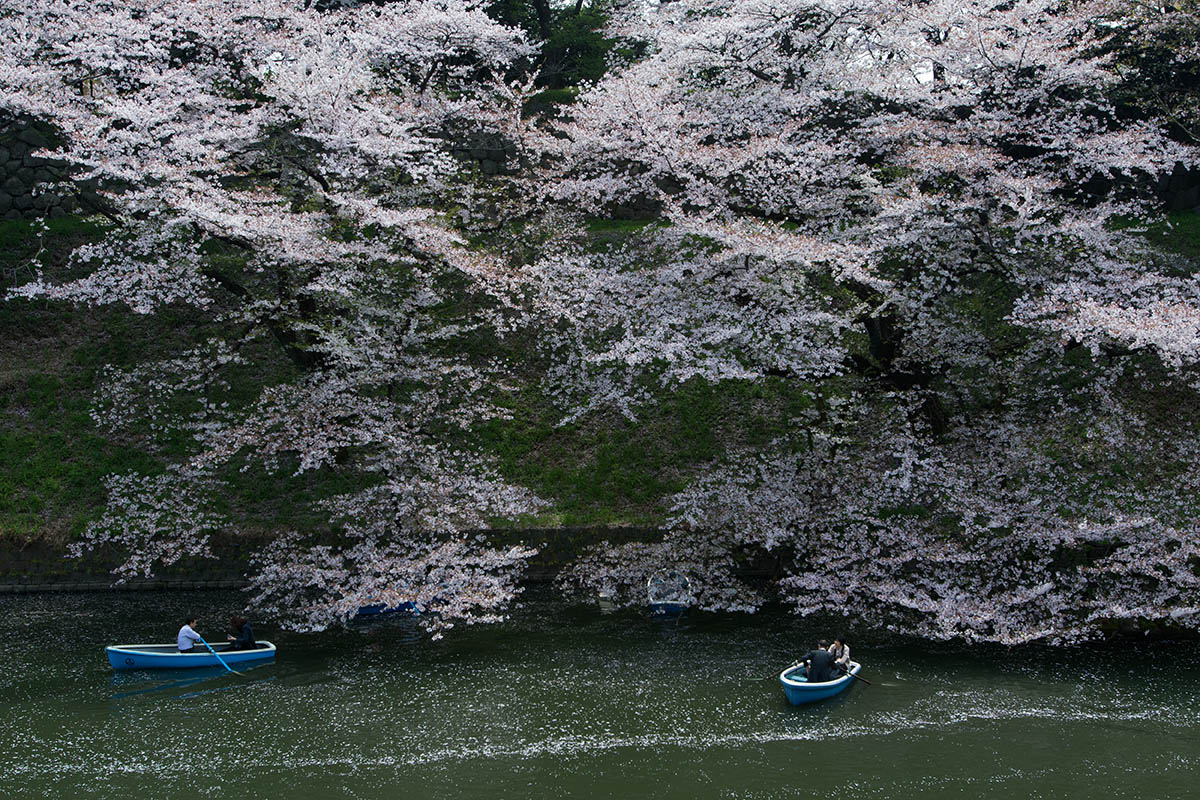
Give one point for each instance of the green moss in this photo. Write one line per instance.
(51, 476)
(548, 101)
(1180, 234)
(608, 469)
(620, 225)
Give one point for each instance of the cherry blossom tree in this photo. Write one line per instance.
(928, 213)
(925, 217)
(288, 175)
(1157, 49)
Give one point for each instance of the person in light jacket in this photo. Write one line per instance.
(187, 638)
(840, 650)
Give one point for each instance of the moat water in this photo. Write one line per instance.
(565, 702)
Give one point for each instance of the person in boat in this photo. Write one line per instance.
(245, 636)
(819, 664)
(840, 650)
(188, 638)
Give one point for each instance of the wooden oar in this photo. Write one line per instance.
(214, 652)
(864, 680)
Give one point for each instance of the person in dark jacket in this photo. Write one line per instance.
(820, 664)
(245, 636)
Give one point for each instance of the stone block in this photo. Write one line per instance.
(57, 212)
(12, 213)
(1185, 199)
(4, 155)
(15, 186)
(18, 150)
(5, 202)
(33, 137)
(45, 200)
(22, 202)
(1179, 178)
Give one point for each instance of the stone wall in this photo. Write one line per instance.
(491, 151)
(23, 176)
(40, 567)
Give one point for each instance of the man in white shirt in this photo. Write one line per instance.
(187, 638)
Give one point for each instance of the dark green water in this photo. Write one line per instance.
(568, 703)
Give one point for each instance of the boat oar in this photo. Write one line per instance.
(214, 652)
(864, 680)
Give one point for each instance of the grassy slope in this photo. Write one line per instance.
(604, 470)
(609, 470)
(52, 457)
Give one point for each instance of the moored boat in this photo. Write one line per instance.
(667, 594)
(799, 691)
(167, 656)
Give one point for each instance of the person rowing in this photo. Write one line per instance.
(187, 639)
(819, 663)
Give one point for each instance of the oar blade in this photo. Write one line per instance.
(218, 655)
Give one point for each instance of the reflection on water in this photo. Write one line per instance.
(164, 682)
(566, 702)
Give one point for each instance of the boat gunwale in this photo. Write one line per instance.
(222, 647)
(855, 667)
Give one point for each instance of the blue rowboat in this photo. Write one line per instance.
(669, 609)
(167, 656)
(667, 594)
(799, 691)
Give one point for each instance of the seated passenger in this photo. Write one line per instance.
(245, 636)
(840, 650)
